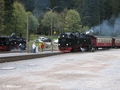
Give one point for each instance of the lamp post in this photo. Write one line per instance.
(51, 9)
(27, 35)
(51, 17)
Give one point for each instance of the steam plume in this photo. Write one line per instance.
(109, 27)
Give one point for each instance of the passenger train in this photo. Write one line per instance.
(72, 42)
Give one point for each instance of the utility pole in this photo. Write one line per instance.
(51, 16)
(51, 9)
(27, 35)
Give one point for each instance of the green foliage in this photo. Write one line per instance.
(116, 7)
(50, 18)
(1, 14)
(8, 16)
(53, 3)
(108, 9)
(46, 21)
(92, 13)
(36, 6)
(47, 18)
(72, 21)
(33, 37)
(85, 28)
(62, 4)
(33, 23)
(61, 24)
(19, 19)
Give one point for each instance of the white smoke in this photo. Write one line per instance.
(89, 32)
(109, 27)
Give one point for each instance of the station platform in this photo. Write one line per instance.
(24, 53)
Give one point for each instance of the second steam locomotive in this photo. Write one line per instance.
(8, 43)
(71, 42)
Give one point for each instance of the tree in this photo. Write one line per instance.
(90, 13)
(1, 14)
(8, 4)
(37, 7)
(72, 21)
(33, 23)
(50, 18)
(53, 3)
(19, 19)
(108, 9)
(62, 4)
(61, 23)
(115, 7)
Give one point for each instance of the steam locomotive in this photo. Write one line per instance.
(8, 43)
(72, 42)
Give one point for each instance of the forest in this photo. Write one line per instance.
(52, 17)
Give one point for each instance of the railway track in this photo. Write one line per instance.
(27, 57)
(30, 56)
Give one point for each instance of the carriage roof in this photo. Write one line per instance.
(101, 36)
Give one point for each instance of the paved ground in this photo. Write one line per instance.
(72, 71)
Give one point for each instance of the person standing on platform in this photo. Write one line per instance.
(42, 46)
(34, 47)
(21, 47)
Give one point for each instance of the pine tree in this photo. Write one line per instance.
(1, 15)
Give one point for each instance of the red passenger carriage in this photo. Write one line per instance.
(102, 41)
(116, 42)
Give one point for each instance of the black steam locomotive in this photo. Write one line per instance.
(71, 42)
(8, 43)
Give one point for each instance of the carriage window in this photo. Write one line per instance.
(109, 40)
(98, 40)
(106, 40)
(101, 40)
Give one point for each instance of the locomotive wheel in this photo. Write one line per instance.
(92, 49)
(73, 50)
(88, 48)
